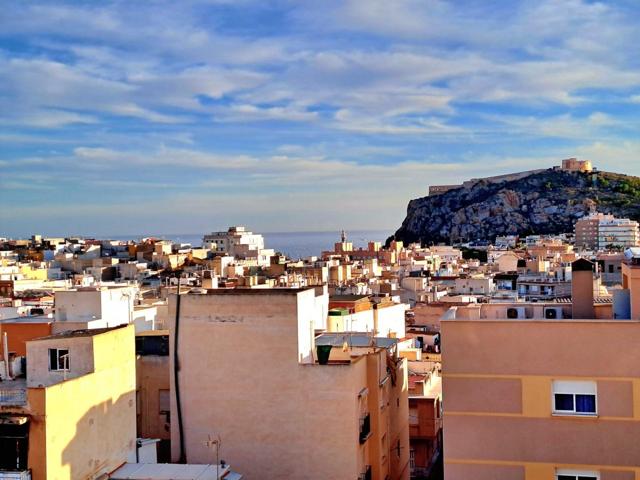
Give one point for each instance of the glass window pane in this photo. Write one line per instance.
(586, 404)
(566, 477)
(53, 359)
(63, 359)
(564, 401)
(588, 477)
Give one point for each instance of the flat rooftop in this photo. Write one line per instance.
(172, 471)
(28, 319)
(355, 340)
(347, 298)
(249, 291)
(91, 332)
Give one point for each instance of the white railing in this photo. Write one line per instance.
(23, 475)
(12, 396)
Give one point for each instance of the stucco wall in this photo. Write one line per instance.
(497, 394)
(240, 378)
(86, 426)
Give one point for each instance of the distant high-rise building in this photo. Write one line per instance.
(599, 231)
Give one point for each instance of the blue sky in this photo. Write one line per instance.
(183, 117)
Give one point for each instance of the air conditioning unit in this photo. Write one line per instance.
(516, 312)
(551, 313)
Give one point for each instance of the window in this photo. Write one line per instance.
(164, 402)
(414, 419)
(576, 475)
(58, 359)
(164, 406)
(574, 398)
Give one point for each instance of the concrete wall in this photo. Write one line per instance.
(144, 318)
(243, 377)
(19, 333)
(152, 374)
(84, 427)
(81, 360)
(114, 305)
(390, 320)
(90, 423)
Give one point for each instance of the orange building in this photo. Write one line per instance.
(20, 330)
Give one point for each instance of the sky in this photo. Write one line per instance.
(184, 117)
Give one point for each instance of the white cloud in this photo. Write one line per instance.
(248, 112)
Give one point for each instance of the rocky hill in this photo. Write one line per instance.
(545, 202)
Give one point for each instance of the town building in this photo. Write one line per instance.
(527, 395)
(241, 243)
(601, 232)
(73, 416)
(425, 422)
(284, 402)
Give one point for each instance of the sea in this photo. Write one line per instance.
(292, 244)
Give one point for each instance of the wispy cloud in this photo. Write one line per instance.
(368, 101)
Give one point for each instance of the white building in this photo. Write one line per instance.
(239, 243)
(618, 232)
(94, 307)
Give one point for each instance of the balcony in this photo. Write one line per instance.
(366, 475)
(13, 393)
(365, 428)
(15, 475)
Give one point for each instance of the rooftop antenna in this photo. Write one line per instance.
(215, 442)
(343, 236)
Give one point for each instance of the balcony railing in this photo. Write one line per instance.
(15, 475)
(13, 396)
(366, 475)
(365, 428)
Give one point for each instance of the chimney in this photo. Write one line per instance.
(582, 288)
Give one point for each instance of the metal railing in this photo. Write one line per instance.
(13, 396)
(365, 428)
(15, 475)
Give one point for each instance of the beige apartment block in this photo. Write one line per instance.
(543, 397)
(249, 376)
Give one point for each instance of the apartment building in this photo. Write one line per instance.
(283, 402)
(425, 422)
(618, 232)
(73, 416)
(599, 231)
(241, 243)
(543, 396)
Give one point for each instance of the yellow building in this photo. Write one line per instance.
(74, 416)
